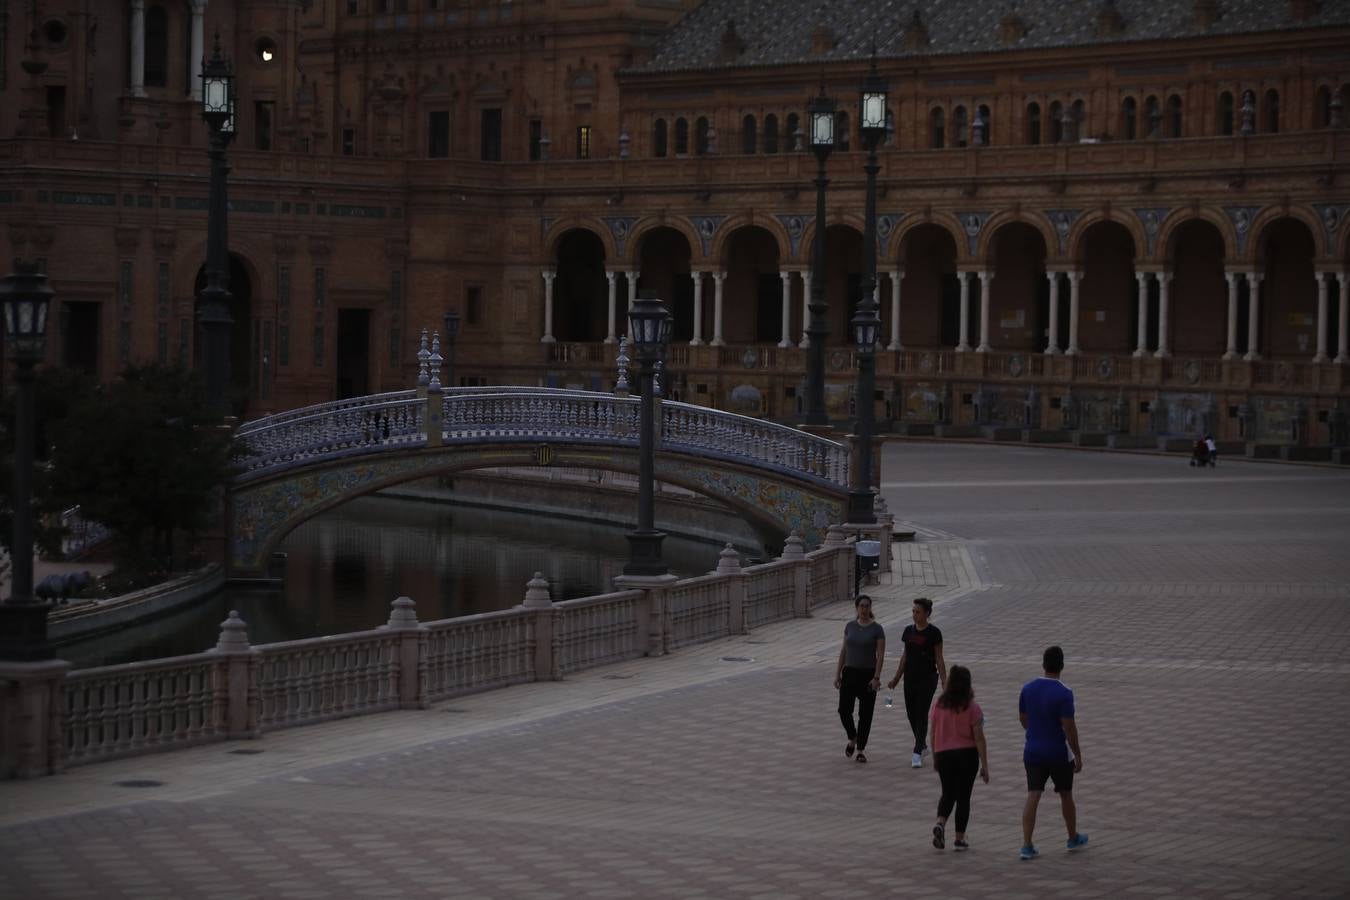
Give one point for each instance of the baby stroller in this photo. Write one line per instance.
(1200, 453)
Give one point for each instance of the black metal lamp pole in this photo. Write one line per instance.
(451, 332)
(821, 112)
(872, 122)
(214, 313)
(26, 299)
(650, 327)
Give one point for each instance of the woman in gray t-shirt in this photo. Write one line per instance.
(858, 675)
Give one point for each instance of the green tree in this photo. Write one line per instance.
(142, 457)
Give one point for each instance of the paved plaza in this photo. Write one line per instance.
(1205, 616)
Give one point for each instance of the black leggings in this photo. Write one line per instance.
(957, 769)
(856, 684)
(918, 700)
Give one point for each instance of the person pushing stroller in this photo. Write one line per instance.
(1204, 452)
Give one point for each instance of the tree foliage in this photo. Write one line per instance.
(144, 458)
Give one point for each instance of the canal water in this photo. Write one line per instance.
(344, 567)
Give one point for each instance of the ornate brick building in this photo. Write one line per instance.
(1101, 215)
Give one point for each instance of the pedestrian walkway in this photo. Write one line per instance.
(1207, 716)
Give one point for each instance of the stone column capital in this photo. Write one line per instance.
(610, 276)
(549, 276)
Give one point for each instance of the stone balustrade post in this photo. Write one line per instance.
(411, 659)
(241, 690)
(794, 551)
(434, 417)
(729, 566)
(32, 711)
(836, 537)
(538, 600)
(655, 589)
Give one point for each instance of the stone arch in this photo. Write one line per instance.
(1261, 227)
(648, 224)
(894, 251)
(558, 230)
(666, 268)
(852, 220)
(1216, 217)
(717, 253)
(1106, 259)
(245, 250)
(1075, 242)
(1286, 252)
(985, 249)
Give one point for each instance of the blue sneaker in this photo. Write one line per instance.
(1077, 842)
(1028, 852)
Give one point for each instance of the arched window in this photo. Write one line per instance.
(960, 127)
(701, 136)
(1033, 123)
(1152, 118)
(1056, 122)
(937, 128)
(1322, 107)
(1174, 116)
(748, 139)
(770, 133)
(791, 136)
(1129, 119)
(659, 139)
(156, 47)
(1078, 112)
(1272, 111)
(1225, 113)
(841, 135)
(681, 137)
(987, 126)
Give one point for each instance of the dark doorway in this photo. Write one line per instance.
(56, 112)
(768, 309)
(951, 310)
(682, 308)
(353, 353)
(580, 292)
(79, 324)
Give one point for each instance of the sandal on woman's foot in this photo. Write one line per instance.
(862, 757)
(848, 749)
(939, 837)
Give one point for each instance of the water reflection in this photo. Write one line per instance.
(345, 566)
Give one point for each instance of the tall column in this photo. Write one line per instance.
(718, 278)
(806, 309)
(632, 277)
(1343, 326)
(1253, 315)
(1052, 345)
(548, 308)
(1075, 278)
(697, 339)
(1141, 345)
(198, 48)
(1321, 356)
(896, 277)
(137, 35)
(1164, 313)
(986, 277)
(613, 303)
(962, 345)
(1232, 349)
(786, 278)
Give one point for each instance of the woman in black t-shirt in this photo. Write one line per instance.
(858, 674)
(922, 667)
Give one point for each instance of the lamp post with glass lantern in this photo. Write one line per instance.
(649, 325)
(872, 124)
(25, 299)
(214, 313)
(821, 113)
(451, 319)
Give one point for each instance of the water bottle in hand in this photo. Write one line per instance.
(889, 704)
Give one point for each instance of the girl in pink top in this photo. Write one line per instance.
(956, 729)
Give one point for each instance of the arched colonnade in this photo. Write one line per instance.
(1238, 283)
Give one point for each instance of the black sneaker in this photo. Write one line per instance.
(939, 837)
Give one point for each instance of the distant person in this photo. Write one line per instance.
(1052, 752)
(1211, 450)
(857, 677)
(959, 753)
(922, 667)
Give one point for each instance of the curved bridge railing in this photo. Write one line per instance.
(477, 415)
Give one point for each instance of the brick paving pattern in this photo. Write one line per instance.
(1205, 619)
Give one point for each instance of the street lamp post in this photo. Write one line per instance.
(650, 328)
(821, 113)
(451, 332)
(872, 124)
(214, 315)
(25, 298)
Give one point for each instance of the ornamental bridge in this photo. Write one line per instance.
(296, 464)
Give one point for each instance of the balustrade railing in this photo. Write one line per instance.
(769, 592)
(310, 437)
(140, 707)
(334, 406)
(478, 652)
(697, 610)
(315, 679)
(593, 631)
(828, 576)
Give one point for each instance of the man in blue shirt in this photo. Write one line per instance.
(1051, 753)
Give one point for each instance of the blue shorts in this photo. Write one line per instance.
(1059, 773)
